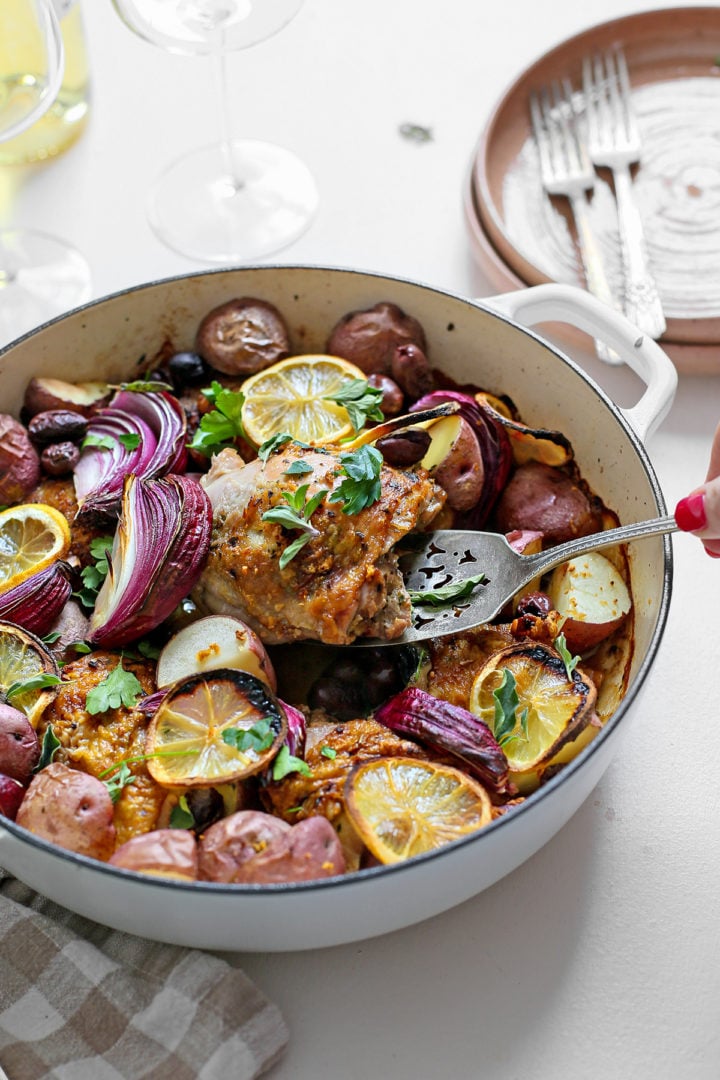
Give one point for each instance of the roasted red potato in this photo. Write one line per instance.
(71, 809)
(168, 853)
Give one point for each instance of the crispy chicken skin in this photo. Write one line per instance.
(94, 743)
(343, 584)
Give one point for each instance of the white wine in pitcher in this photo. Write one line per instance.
(21, 68)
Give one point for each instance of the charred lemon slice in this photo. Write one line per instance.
(402, 807)
(214, 728)
(24, 662)
(294, 397)
(32, 536)
(525, 696)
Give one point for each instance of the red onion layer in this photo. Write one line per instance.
(160, 549)
(36, 602)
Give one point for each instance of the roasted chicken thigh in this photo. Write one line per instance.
(344, 583)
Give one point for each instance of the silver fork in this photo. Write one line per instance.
(566, 170)
(613, 139)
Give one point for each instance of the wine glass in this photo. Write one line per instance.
(238, 199)
(40, 275)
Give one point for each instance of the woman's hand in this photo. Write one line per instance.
(699, 512)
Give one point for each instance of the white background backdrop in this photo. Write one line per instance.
(600, 957)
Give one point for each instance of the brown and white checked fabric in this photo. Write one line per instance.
(79, 1001)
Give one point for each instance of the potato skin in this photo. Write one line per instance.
(461, 473)
(228, 844)
(19, 461)
(19, 744)
(369, 338)
(71, 809)
(255, 848)
(541, 498)
(165, 852)
(242, 336)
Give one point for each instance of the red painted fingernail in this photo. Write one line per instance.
(712, 554)
(690, 512)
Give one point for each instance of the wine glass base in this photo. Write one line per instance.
(41, 277)
(199, 210)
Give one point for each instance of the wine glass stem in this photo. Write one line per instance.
(226, 141)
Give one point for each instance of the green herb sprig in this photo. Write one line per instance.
(286, 763)
(223, 424)
(360, 400)
(361, 486)
(119, 688)
(257, 738)
(94, 575)
(36, 682)
(570, 661)
(506, 716)
(446, 594)
(296, 515)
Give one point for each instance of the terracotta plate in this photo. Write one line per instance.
(674, 61)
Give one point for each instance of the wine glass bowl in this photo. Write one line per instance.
(237, 199)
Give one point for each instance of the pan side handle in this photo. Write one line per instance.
(568, 304)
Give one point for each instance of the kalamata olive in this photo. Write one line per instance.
(242, 336)
(369, 338)
(410, 368)
(534, 603)
(393, 398)
(383, 680)
(187, 369)
(57, 425)
(343, 700)
(59, 458)
(404, 448)
(160, 375)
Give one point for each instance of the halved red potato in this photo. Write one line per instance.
(591, 596)
(454, 461)
(170, 853)
(218, 641)
(45, 393)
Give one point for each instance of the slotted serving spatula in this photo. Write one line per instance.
(448, 557)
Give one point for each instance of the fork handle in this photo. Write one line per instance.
(594, 268)
(548, 560)
(641, 298)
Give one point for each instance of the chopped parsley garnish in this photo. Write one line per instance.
(298, 468)
(223, 425)
(52, 638)
(360, 400)
(131, 440)
(286, 763)
(121, 778)
(361, 486)
(119, 688)
(100, 442)
(328, 752)
(272, 445)
(296, 515)
(94, 575)
(446, 594)
(506, 706)
(259, 737)
(181, 816)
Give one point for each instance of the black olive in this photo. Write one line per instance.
(534, 603)
(187, 369)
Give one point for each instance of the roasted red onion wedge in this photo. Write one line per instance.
(159, 551)
(141, 432)
(36, 602)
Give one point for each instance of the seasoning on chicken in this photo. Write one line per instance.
(94, 743)
(344, 583)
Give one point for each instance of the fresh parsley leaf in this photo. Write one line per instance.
(361, 487)
(296, 515)
(360, 400)
(50, 745)
(223, 425)
(131, 440)
(328, 752)
(35, 682)
(570, 662)
(119, 688)
(181, 816)
(102, 442)
(298, 468)
(455, 590)
(272, 445)
(94, 575)
(506, 706)
(257, 738)
(121, 778)
(286, 763)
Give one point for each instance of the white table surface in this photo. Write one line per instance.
(600, 957)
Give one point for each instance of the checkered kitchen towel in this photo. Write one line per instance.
(81, 1002)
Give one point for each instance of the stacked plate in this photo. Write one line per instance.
(521, 237)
